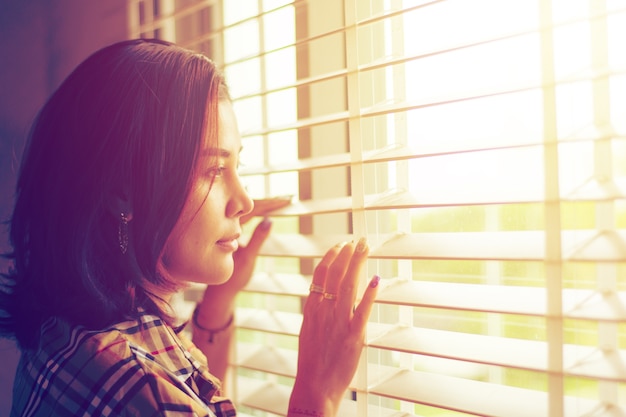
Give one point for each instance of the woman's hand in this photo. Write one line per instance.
(333, 331)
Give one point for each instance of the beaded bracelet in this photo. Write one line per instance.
(212, 332)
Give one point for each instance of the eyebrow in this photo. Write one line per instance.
(219, 152)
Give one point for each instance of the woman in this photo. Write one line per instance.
(129, 190)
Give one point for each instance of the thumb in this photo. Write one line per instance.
(259, 235)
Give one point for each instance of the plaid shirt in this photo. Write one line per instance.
(130, 369)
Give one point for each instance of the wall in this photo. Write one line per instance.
(41, 41)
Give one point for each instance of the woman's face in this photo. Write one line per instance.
(201, 245)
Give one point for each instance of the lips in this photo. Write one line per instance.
(230, 243)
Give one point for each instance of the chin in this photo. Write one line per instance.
(221, 275)
(210, 280)
(220, 282)
(214, 276)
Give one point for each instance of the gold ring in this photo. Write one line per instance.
(316, 288)
(329, 296)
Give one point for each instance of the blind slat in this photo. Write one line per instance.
(283, 284)
(529, 301)
(267, 396)
(268, 359)
(583, 245)
(480, 398)
(406, 106)
(586, 304)
(531, 355)
(327, 161)
(388, 61)
(403, 199)
(580, 361)
(278, 322)
(273, 398)
(578, 245)
(593, 190)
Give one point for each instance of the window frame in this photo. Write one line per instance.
(555, 241)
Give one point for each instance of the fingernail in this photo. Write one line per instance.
(374, 282)
(266, 223)
(361, 245)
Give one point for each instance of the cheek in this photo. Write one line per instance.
(171, 257)
(179, 242)
(191, 242)
(191, 252)
(189, 259)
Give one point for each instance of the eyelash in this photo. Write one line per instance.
(217, 171)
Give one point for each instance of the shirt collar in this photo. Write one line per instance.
(156, 341)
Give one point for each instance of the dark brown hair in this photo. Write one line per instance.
(127, 123)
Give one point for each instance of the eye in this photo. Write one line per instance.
(217, 171)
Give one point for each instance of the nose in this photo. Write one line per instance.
(240, 202)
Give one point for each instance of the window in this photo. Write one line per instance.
(480, 146)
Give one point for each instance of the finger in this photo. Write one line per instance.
(364, 309)
(350, 282)
(321, 270)
(259, 235)
(337, 270)
(264, 206)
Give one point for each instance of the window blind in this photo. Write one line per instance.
(479, 146)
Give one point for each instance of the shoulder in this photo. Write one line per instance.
(81, 372)
(95, 373)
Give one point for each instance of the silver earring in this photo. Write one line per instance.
(122, 232)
